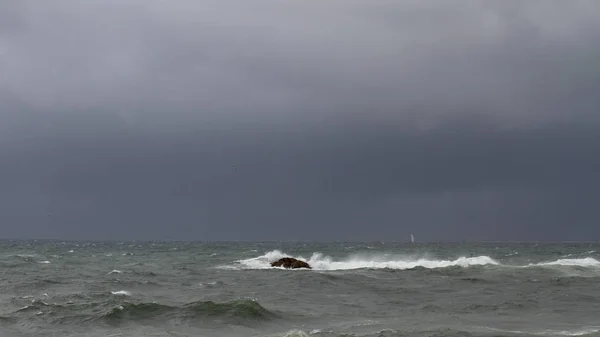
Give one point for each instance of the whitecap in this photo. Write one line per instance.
(292, 333)
(121, 293)
(115, 271)
(319, 261)
(39, 302)
(572, 333)
(586, 262)
(580, 332)
(44, 262)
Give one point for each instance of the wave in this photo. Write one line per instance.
(437, 332)
(579, 332)
(144, 273)
(121, 293)
(319, 261)
(113, 311)
(24, 256)
(381, 333)
(238, 311)
(294, 333)
(585, 262)
(19, 259)
(583, 332)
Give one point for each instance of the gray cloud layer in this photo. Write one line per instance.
(300, 120)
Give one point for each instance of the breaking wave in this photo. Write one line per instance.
(121, 293)
(439, 332)
(585, 262)
(320, 262)
(436, 332)
(581, 332)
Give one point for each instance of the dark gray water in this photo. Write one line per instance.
(355, 289)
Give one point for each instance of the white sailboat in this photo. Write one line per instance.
(412, 238)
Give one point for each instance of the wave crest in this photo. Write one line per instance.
(321, 262)
(238, 311)
(585, 262)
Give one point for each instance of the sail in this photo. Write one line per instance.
(412, 238)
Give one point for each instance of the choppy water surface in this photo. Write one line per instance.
(355, 289)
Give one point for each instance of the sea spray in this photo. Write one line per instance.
(319, 261)
(585, 262)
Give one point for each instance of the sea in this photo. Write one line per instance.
(55, 288)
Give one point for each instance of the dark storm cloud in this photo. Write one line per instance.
(300, 120)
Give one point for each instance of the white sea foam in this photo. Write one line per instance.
(580, 332)
(297, 333)
(44, 262)
(121, 293)
(320, 262)
(586, 262)
(573, 333)
(115, 271)
(575, 254)
(293, 333)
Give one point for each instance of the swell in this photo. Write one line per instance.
(237, 310)
(242, 311)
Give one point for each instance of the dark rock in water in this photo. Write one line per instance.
(290, 262)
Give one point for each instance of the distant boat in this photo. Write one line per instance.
(412, 238)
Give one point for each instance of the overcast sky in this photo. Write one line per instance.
(300, 119)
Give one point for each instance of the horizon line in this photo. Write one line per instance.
(288, 241)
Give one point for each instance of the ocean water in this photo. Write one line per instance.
(355, 289)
